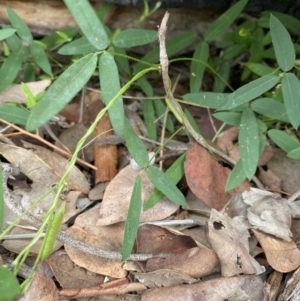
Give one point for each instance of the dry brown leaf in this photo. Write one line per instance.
(269, 179)
(41, 288)
(117, 196)
(283, 256)
(70, 275)
(15, 94)
(120, 286)
(154, 239)
(163, 278)
(206, 177)
(193, 203)
(274, 281)
(229, 238)
(268, 213)
(196, 262)
(105, 237)
(212, 290)
(292, 289)
(36, 169)
(286, 169)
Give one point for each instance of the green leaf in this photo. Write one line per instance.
(110, 86)
(236, 177)
(160, 110)
(206, 99)
(224, 71)
(9, 284)
(232, 118)
(21, 27)
(290, 91)
(149, 117)
(165, 185)
(233, 51)
(88, 22)
(192, 121)
(135, 145)
(30, 99)
(79, 46)
(283, 140)
(122, 60)
(218, 27)
(11, 67)
(294, 154)
(259, 69)
(14, 114)
(249, 143)
(135, 37)
(1, 199)
(133, 217)
(68, 84)
(29, 75)
(40, 57)
(5, 33)
(250, 91)
(197, 68)
(283, 45)
(175, 172)
(270, 108)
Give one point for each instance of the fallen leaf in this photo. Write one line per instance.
(268, 213)
(155, 240)
(117, 196)
(283, 256)
(211, 290)
(196, 262)
(229, 239)
(206, 177)
(163, 278)
(15, 94)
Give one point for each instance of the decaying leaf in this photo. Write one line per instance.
(117, 196)
(268, 213)
(283, 256)
(229, 238)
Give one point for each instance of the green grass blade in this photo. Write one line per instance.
(110, 86)
(249, 143)
(236, 177)
(5, 33)
(11, 67)
(40, 57)
(133, 217)
(283, 45)
(135, 37)
(68, 84)
(175, 172)
(165, 185)
(250, 91)
(149, 117)
(197, 69)
(283, 140)
(218, 27)
(88, 22)
(135, 145)
(14, 114)
(21, 27)
(291, 92)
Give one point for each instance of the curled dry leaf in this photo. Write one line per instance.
(212, 290)
(117, 196)
(283, 256)
(229, 238)
(268, 213)
(15, 94)
(196, 262)
(206, 177)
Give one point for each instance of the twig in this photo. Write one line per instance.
(164, 62)
(9, 170)
(294, 196)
